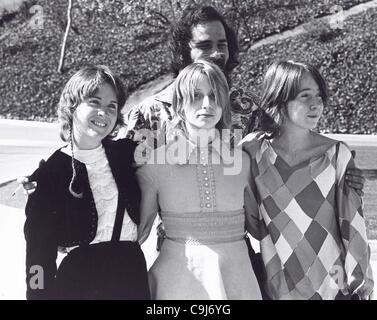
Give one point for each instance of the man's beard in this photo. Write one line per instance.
(221, 63)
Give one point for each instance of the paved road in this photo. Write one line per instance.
(23, 144)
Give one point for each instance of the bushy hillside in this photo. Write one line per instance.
(130, 37)
(346, 58)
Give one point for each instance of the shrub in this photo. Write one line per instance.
(130, 37)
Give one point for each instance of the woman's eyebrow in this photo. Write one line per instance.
(99, 98)
(309, 89)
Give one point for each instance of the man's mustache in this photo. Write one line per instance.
(220, 62)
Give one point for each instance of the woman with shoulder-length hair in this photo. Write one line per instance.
(309, 221)
(204, 255)
(87, 201)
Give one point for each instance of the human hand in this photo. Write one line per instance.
(355, 179)
(142, 153)
(27, 186)
(161, 235)
(28, 183)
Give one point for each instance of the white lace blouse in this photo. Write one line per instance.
(105, 194)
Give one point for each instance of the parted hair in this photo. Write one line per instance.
(82, 85)
(280, 85)
(180, 36)
(184, 91)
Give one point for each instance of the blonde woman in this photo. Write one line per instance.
(201, 200)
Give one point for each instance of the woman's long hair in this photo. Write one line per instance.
(82, 85)
(184, 93)
(280, 85)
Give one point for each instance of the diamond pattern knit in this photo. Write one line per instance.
(309, 222)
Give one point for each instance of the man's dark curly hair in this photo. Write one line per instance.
(180, 37)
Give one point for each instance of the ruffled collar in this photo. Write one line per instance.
(86, 156)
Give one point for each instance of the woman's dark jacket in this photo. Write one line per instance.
(54, 217)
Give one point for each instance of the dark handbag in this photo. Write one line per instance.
(258, 267)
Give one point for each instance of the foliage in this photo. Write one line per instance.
(131, 37)
(347, 61)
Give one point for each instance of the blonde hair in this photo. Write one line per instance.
(280, 85)
(184, 92)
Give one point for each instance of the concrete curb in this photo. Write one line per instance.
(28, 123)
(29, 143)
(364, 139)
(355, 139)
(37, 138)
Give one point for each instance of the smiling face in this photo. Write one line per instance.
(96, 116)
(203, 112)
(306, 108)
(208, 41)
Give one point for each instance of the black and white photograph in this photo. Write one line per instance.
(188, 150)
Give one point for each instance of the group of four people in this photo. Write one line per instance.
(283, 183)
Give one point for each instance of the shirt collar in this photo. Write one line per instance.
(213, 146)
(195, 154)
